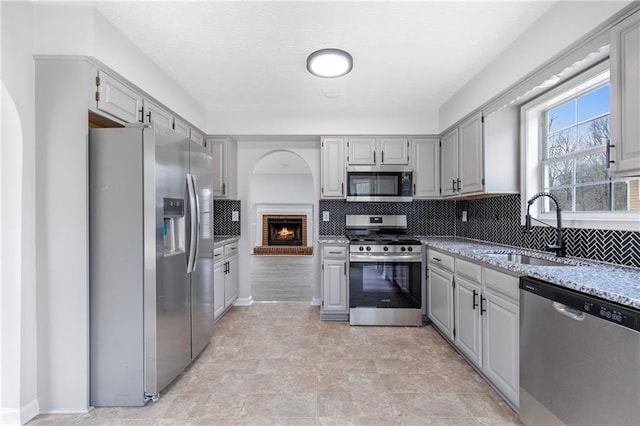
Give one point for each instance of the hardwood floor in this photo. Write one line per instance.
(278, 364)
(282, 278)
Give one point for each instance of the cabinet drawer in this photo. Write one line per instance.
(473, 271)
(218, 254)
(443, 260)
(334, 252)
(502, 283)
(230, 249)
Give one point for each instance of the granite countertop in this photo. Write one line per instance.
(333, 239)
(619, 284)
(221, 240)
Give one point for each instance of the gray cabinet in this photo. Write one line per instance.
(332, 167)
(225, 278)
(225, 158)
(440, 291)
(371, 151)
(625, 97)
(116, 99)
(425, 161)
(335, 287)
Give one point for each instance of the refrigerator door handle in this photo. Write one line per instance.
(193, 220)
(197, 222)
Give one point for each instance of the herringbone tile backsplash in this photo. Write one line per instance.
(497, 219)
(494, 219)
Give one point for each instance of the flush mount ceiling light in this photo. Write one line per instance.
(329, 63)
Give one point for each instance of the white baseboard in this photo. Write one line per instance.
(243, 301)
(10, 416)
(29, 411)
(315, 301)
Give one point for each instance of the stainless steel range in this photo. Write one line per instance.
(385, 286)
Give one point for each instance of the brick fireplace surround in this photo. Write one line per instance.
(266, 249)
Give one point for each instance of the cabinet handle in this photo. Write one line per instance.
(374, 157)
(482, 300)
(458, 181)
(453, 185)
(414, 189)
(224, 189)
(342, 188)
(437, 259)
(149, 117)
(608, 153)
(335, 252)
(382, 162)
(475, 300)
(141, 111)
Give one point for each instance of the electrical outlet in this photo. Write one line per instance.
(325, 216)
(235, 216)
(464, 215)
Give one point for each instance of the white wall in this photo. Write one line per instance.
(282, 188)
(249, 155)
(81, 30)
(565, 23)
(18, 395)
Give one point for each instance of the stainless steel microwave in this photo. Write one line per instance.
(379, 183)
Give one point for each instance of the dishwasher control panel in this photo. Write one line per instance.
(608, 311)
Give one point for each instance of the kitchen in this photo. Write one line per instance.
(52, 338)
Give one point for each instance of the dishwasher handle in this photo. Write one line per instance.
(574, 314)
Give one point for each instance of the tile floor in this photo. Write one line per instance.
(277, 363)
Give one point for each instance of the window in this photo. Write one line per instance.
(566, 136)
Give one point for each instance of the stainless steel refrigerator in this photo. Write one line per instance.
(151, 260)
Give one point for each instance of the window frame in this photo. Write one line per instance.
(532, 122)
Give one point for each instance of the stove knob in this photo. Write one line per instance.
(385, 248)
(402, 249)
(368, 248)
(361, 248)
(409, 248)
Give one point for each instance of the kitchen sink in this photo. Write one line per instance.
(525, 259)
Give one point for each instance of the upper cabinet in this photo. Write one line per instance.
(225, 157)
(116, 99)
(198, 137)
(153, 113)
(332, 167)
(182, 127)
(425, 161)
(481, 156)
(377, 150)
(625, 97)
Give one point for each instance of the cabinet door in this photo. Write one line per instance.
(440, 300)
(470, 166)
(501, 345)
(394, 151)
(231, 282)
(467, 319)
(181, 127)
(217, 147)
(425, 156)
(198, 138)
(117, 100)
(361, 151)
(155, 114)
(334, 286)
(332, 168)
(218, 289)
(449, 163)
(625, 96)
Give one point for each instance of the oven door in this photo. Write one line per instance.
(385, 281)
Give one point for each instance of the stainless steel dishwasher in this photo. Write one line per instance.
(579, 358)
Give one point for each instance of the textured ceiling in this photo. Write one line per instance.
(249, 58)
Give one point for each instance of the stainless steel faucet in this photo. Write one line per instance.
(558, 246)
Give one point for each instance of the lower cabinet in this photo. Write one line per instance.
(335, 283)
(477, 308)
(225, 278)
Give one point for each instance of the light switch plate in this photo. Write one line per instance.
(235, 216)
(325, 216)
(464, 215)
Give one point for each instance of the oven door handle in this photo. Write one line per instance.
(384, 258)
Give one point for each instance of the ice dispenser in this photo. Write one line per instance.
(173, 226)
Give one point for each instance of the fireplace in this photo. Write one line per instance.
(284, 234)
